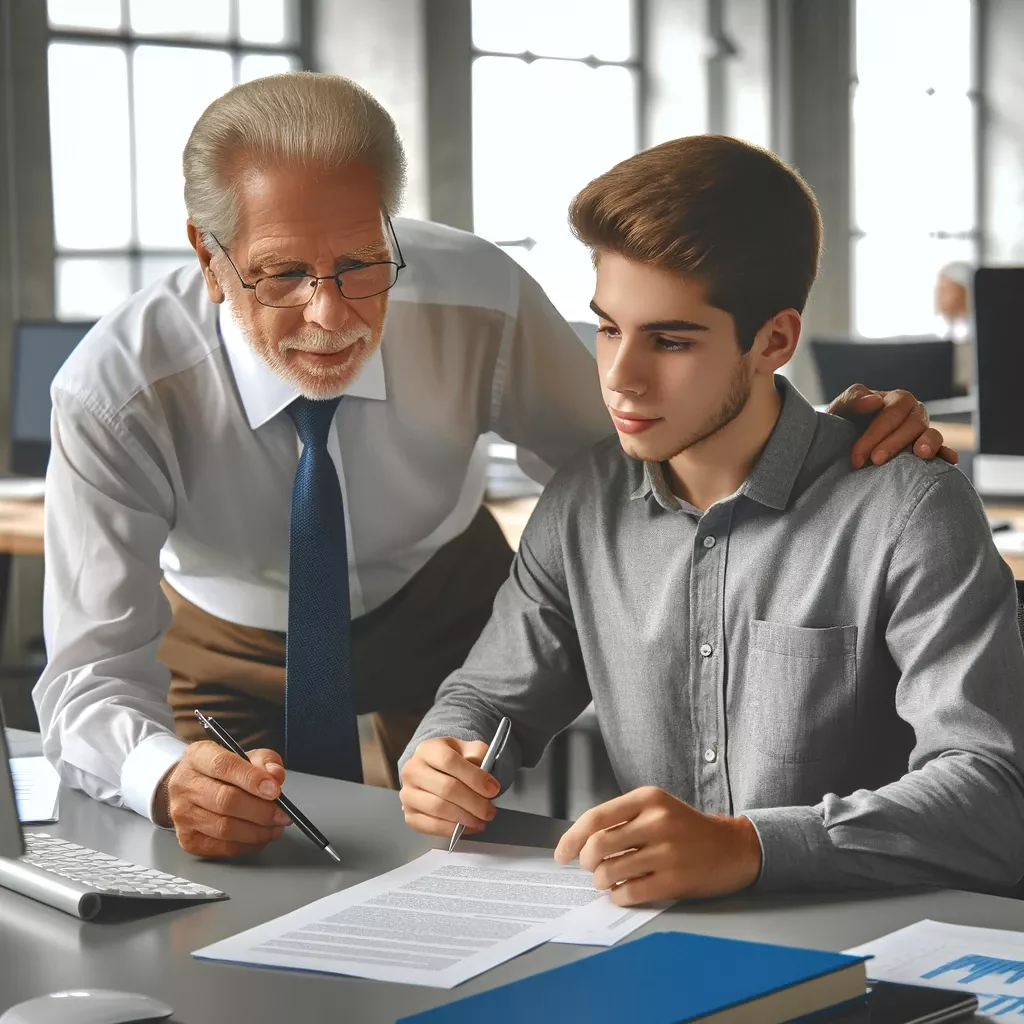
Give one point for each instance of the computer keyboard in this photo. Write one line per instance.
(84, 882)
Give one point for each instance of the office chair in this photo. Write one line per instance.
(923, 366)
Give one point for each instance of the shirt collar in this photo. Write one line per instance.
(771, 480)
(264, 394)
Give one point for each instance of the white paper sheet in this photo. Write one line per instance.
(438, 921)
(22, 488)
(1009, 542)
(36, 785)
(985, 961)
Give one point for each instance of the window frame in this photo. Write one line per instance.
(635, 63)
(975, 235)
(299, 48)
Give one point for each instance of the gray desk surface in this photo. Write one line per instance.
(42, 949)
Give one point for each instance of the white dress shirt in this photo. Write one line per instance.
(171, 456)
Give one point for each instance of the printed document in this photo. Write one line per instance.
(438, 921)
(36, 785)
(984, 961)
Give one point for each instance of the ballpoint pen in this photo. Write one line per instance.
(212, 726)
(492, 755)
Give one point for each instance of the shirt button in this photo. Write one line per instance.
(706, 650)
(709, 542)
(710, 755)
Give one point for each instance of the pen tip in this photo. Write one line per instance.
(330, 850)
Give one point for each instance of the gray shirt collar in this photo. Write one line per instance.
(771, 480)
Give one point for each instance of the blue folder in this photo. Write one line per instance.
(664, 978)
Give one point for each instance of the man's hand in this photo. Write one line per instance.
(647, 846)
(900, 420)
(443, 786)
(221, 805)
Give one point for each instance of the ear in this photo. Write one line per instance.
(776, 341)
(213, 286)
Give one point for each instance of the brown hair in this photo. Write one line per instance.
(731, 214)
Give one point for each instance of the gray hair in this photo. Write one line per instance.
(309, 119)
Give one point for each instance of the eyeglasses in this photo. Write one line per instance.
(296, 288)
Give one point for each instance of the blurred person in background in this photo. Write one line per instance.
(954, 291)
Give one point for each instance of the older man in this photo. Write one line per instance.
(318, 558)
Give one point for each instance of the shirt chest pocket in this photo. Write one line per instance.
(797, 699)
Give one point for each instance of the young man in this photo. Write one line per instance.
(794, 690)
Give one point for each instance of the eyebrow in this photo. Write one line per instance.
(656, 325)
(371, 252)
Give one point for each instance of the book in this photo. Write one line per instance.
(671, 978)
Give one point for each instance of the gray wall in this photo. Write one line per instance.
(1003, 134)
(26, 247)
(381, 45)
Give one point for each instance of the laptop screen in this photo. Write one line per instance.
(40, 350)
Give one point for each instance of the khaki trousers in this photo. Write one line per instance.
(401, 652)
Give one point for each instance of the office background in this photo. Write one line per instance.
(906, 117)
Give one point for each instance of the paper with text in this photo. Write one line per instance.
(438, 921)
(985, 961)
(36, 786)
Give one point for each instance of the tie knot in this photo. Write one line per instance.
(312, 418)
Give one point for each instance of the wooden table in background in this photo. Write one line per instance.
(21, 527)
(21, 533)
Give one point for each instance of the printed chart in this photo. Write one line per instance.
(984, 961)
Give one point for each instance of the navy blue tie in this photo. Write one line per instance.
(320, 732)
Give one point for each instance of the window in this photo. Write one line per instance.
(127, 80)
(555, 103)
(914, 164)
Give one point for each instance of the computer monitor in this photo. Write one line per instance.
(999, 348)
(12, 844)
(923, 366)
(40, 350)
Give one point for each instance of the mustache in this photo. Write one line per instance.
(325, 342)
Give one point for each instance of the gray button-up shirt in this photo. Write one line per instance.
(833, 653)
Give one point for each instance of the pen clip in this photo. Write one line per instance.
(504, 742)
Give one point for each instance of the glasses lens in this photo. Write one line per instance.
(285, 291)
(362, 282)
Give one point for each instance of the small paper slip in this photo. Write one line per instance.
(603, 923)
(985, 961)
(438, 921)
(36, 786)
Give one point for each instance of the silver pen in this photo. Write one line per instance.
(492, 755)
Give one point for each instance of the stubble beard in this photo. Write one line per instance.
(735, 402)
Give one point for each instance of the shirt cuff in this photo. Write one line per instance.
(145, 766)
(795, 848)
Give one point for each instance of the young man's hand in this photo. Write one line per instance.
(900, 421)
(444, 786)
(648, 845)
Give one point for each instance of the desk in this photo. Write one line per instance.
(21, 527)
(42, 949)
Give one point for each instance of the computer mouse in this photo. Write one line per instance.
(87, 1006)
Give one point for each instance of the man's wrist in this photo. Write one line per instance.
(161, 800)
(750, 854)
